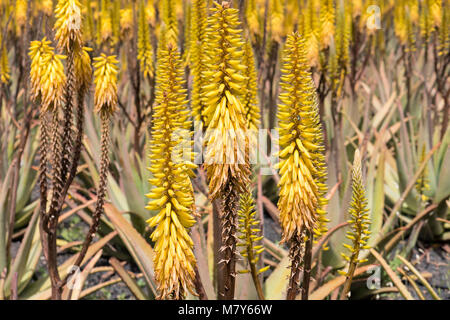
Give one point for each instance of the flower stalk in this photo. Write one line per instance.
(250, 240)
(226, 164)
(302, 167)
(360, 223)
(172, 193)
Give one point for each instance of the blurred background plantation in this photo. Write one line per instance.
(381, 72)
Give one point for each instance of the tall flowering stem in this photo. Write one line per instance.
(226, 164)
(250, 240)
(172, 193)
(105, 103)
(58, 93)
(360, 224)
(197, 47)
(144, 44)
(47, 87)
(302, 167)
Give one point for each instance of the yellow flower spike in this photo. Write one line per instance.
(144, 45)
(197, 58)
(106, 27)
(292, 19)
(251, 14)
(169, 19)
(20, 15)
(422, 183)
(5, 72)
(115, 21)
(310, 31)
(276, 19)
(343, 34)
(47, 7)
(105, 75)
(222, 134)
(413, 8)
(83, 67)
(174, 258)
(36, 53)
(52, 81)
(435, 7)
(250, 97)
(249, 239)
(359, 223)
(68, 24)
(47, 75)
(226, 158)
(150, 12)
(301, 198)
(444, 34)
(126, 22)
(327, 16)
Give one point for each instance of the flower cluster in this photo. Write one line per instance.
(172, 196)
(302, 168)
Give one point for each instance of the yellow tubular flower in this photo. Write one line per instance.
(197, 47)
(36, 53)
(224, 114)
(47, 7)
(250, 97)
(170, 21)
(68, 24)
(435, 11)
(327, 15)
(83, 68)
(150, 12)
(105, 74)
(52, 81)
(145, 50)
(359, 220)
(171, 196)
(251, 14)
(46, 75)
(444, 35)
(126, 22)
(106, 32)
(343, 35)
(310, 33)
(276, 19)
(5, 72)
(302, 168)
